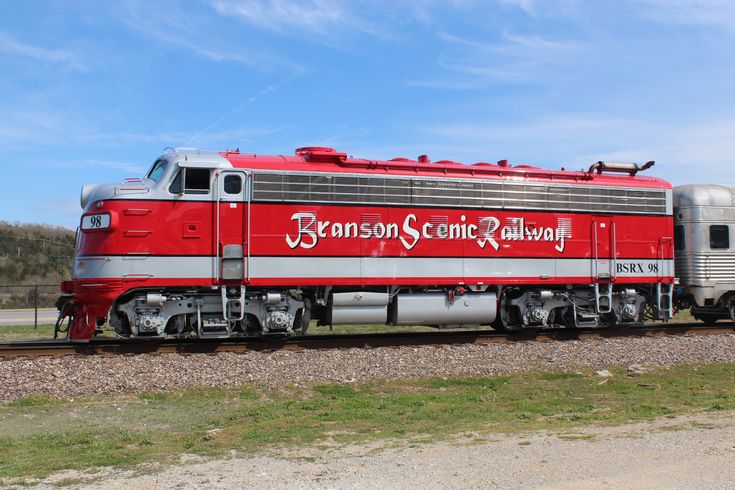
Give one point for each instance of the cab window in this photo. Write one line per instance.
(157, 171)
(233, 184)
(719, 237)
(195, 181)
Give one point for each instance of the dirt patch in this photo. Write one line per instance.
(683, 452)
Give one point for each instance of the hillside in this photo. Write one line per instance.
(35, 254)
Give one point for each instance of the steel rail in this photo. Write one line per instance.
(341, 341)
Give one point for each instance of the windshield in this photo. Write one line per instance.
(157, 170)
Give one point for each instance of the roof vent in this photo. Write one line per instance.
(321, 154)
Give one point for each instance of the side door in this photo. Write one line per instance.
(604, 248)
(232, 225)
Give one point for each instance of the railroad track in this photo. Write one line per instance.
(337, 341)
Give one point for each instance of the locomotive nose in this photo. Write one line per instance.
(87, 190)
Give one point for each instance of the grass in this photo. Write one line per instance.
(26, 332)
(10, 333)
(39, 435)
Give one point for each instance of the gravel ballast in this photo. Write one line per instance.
(74, 376)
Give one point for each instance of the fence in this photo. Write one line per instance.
(28, 304)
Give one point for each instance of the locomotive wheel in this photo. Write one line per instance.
(251, 326)
(303, 318)
(707, 319)
(498, 324)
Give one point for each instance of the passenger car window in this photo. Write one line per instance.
(679, 241)
(233, 184)
(719, 236)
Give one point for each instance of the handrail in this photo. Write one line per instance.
(468, 169)
(249, 180)
(614, 268)
(217, 265)
(596, 262)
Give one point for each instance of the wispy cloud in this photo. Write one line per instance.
(688, 151)
(530, 51)
(528, 6)
(283, 15)
(325, 18)
(719, 13)
(63, 211)
(129, 168)
(446, 83)
(132, 168)
(176, 29)
(552, 138)
(211, 140)
(247, 102)
(551, 127)
(212, 54)
(25, 129)
(13, 46)
(511, 58)
(686, 154)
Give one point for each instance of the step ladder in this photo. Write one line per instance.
(233, 311)
(584, 319)
(603, 297)
(665, 304)
(233, 303)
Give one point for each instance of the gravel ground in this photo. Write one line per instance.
(73, 376)
(689, 452)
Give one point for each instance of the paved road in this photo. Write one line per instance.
(26, 317)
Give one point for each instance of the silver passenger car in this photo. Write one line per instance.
(704, 223)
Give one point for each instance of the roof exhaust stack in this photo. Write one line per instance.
(627, 168)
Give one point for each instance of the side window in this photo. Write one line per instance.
(196, 181)
(233, 184)
(719, 236)
(175, 187)
(679, 241)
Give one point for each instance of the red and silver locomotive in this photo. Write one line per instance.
(223, 244)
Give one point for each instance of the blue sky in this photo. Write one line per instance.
(92, 91)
